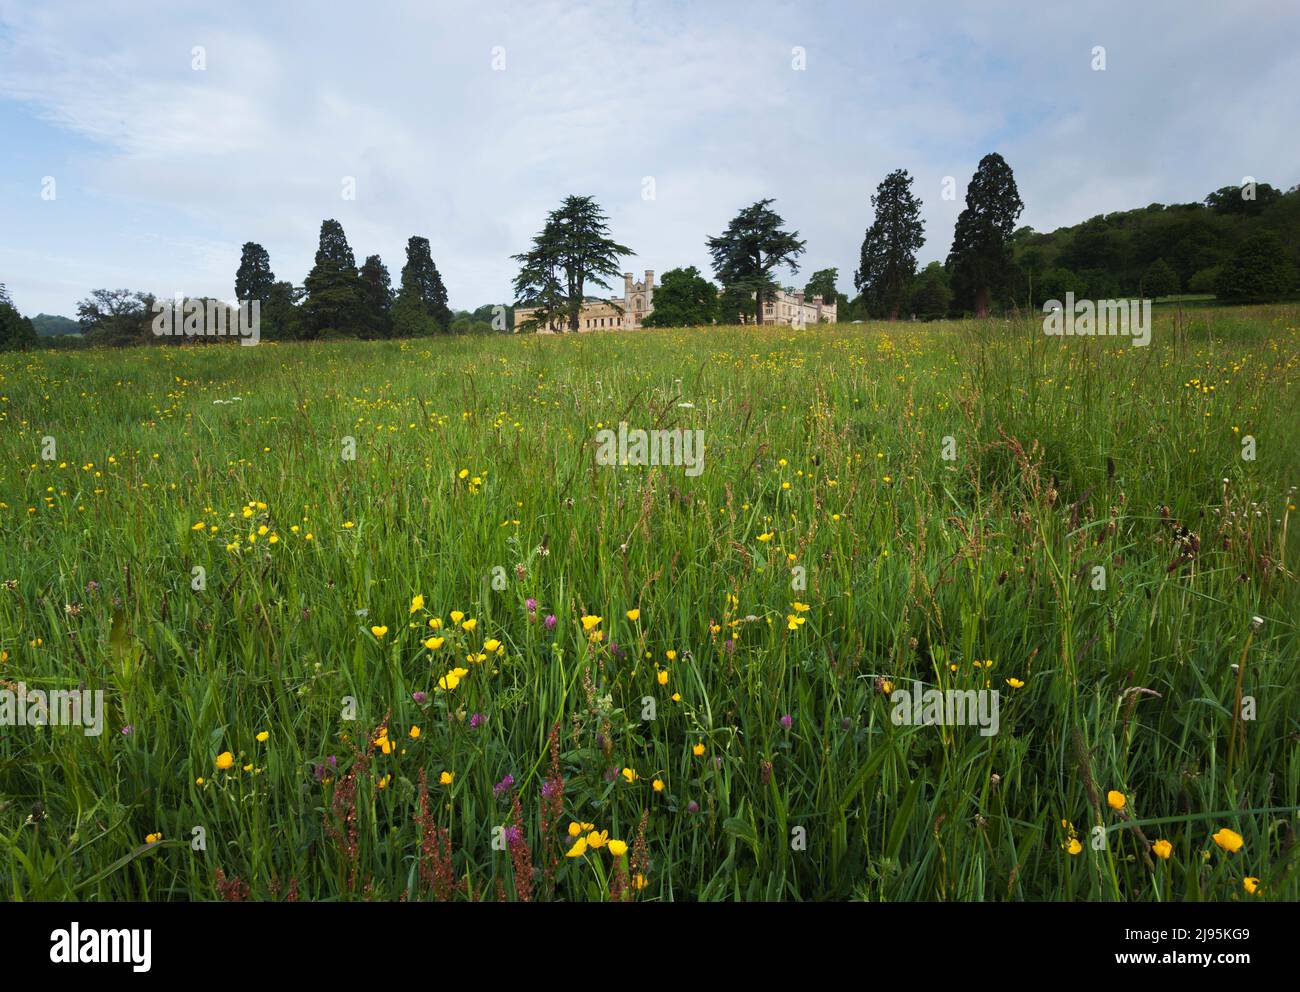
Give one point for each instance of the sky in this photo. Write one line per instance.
(142, 143)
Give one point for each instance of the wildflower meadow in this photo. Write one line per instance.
(373, 621)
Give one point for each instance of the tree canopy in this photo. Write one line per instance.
(753, 245)
(888, 259)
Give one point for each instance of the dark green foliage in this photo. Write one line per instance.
(888, 259)
(980, 260)
(377, 298)
(684, 298)
(421, 307)
(1160, 280)
(572, 250)
(281, 315)
(930, 294)
(333, 305)
(117, 317)
(733, 304)
(1257, 272)
(16, 331)
(1247, 200)
(1055, 283)
(751, 247)
(1110, 255)
(822, 283)
(254, 278)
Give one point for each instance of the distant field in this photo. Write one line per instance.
(198, 544)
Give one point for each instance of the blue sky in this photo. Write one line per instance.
(162, 172)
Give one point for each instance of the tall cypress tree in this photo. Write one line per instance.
(888, 260)
(980, 259)
(334, 294)
(377, 297)
(421, 306)
(254, 278)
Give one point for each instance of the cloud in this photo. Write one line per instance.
(164, 171)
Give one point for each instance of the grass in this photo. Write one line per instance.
(1069, 455)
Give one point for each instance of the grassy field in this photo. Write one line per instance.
(389, 651)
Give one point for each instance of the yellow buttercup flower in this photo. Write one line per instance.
(589, 622)
(578, 849)
(469, 625)
(662, 677)
(1015, 683)
(446, 777)
(379, 631)
(155, 838)
(634, 615)
(1115, 799)
(1073, 846)
(491, 644)
(1250, 883)
(1162, 849)
(417, 603)
(1227, 839)
(597, 839)
(698, 750)
(434, 643)
(414, 733)
(657, 785)
(618, 848)
(457, 616)
(225, 760)
(262, 737)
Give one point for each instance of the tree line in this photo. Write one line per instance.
(1240, 244)
(337, 299)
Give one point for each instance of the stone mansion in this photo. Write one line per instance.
(628, 311)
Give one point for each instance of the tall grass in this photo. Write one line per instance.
(1071, 455)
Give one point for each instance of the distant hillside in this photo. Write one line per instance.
(1158, 250)
(49, 325)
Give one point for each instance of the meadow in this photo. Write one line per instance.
(371, 622)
